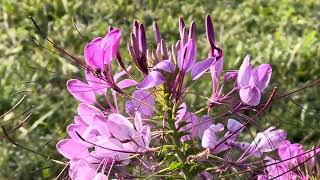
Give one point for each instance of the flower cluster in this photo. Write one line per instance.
(153, 133)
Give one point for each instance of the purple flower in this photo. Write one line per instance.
(86, 92)
(277, 169)
(186, 121)
(217, 145)
(112, 138)
(187, 56)
(143, 102)
(201, 67)
(154, 78)
(293, 154)
(165, 65)
(252, 81)
(83, 92)
(101, 51)
(266, 141)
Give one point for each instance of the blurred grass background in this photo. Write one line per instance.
(284, 33)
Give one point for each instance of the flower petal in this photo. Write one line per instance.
(165, 65)
(112, 40)
(81, 91)
(250, 95)
(244, 73)
(154, 78)
(120, 74)
(201, 67)
(234, 125)
(187, 56)
(87, 112)
(138, 121)
(73, 129)
(231, 75)
(209, 139)
(72, 149)
(287, 151)
(93, 54)
(261, 76)
(120, 127)
(143, 102)
(205, 122)
(126, 83)
(81, 170)
(268, 140)
(98, 85)
(100, 176)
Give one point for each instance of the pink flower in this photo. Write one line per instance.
(101, 51)
(186, 121)
(86, 92)
(217, 145)
(143, 102)
(96, 139)
(252, 81)
(187, 56)
(266, 141)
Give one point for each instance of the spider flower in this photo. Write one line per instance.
(291, 156)
(100, 51)
(95, 139)
(252, 81)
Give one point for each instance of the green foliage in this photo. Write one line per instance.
(284, 33)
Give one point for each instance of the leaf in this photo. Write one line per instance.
(175, 165)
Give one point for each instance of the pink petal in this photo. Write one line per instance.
(98, 85)
(287, 151)
(201, 67)
(110, 147)
(205, 122)
(313, 155)
(138, 121)
(153, 79)
(120, 127)
(101, 51)
(231, 75)
(87, 112)
(126, 83)
(209, 139)
(81, 170)
(73, 128)
(118, 75)
(187, 56)
(81, 91)
(268, 140)
(250, 95)
(234, 126)
(244, 73)
(217, 66)
(93, 54)
(143, 102)
(113, 37)
(77, 120)
(100, 176)
(261, 76)
(100, 124)
(72, 149)
(146, 134)
(165, 65)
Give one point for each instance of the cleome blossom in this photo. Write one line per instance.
(252, 81)
(136, 121)
(291, 156)
(95, 140)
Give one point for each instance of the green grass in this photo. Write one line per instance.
(284, 33)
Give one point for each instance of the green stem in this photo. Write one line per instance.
(176, 141)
